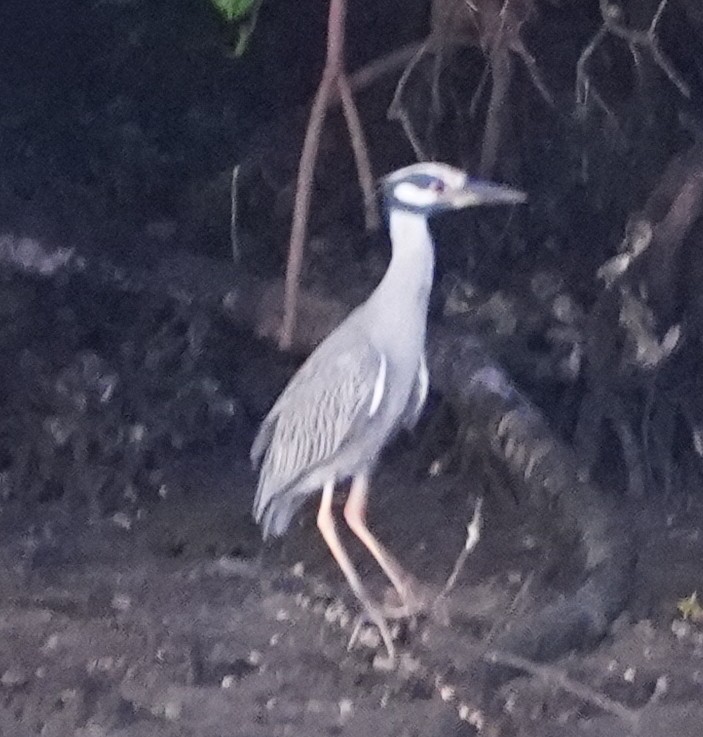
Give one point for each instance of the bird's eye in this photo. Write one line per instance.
(437, 186)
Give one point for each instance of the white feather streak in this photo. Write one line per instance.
(379, 388)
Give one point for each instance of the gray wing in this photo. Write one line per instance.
(315, 415)
(418, 395)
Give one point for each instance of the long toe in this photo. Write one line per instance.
(372, 615)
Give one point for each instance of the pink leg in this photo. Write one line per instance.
(326, 525)
(403, 582)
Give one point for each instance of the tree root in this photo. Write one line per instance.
(334, 75)
(635, 40)
(558, 679)
(518, 435)
(640, 301)
(495, 27)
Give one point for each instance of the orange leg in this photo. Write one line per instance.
(326, 525)
(404, 584)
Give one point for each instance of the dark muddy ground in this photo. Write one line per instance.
(136, 597)
(178, 622)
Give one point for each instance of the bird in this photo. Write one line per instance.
(363, 384)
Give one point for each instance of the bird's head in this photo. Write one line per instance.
(430, 187)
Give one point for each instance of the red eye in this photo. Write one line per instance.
(438, 186)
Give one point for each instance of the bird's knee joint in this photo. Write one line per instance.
(353, 515)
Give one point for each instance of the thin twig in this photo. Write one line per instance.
(233, 237)
(517, 46)
(436, 74)
(397, 111)
(554, 677)
(533, 70)
(636, 485)
(583, 79)
(515, 605)
(502, 73)
(378, 68)
(473, 535)
(301, 208)
(648, 39)
(478, 92)
(499, 39)
(361, 153)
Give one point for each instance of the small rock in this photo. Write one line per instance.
(680, 629)
(346, 709)
(660, 689)
(14, 678)
(383, 664)
(334, 612)
(472, 716)
(52, 642)
(122, 520)
(255, 658)
(121, 602)
(172, 710)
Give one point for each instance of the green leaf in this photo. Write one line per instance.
(244, 13)
(235, 9)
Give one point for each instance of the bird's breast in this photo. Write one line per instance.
(402, 371)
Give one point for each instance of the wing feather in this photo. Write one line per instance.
(314, 416)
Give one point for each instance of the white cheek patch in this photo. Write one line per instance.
(454, 179)
(410, 194)
(379, 388)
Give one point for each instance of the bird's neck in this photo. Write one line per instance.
(408, 280)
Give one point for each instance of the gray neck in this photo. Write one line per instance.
(408, 280)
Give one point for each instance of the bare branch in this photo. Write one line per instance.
(233, 231)
(333, 77)
(635, 39)
(303, 193)
(552, 676)
(361, 153)
(473, 535)
(397, 111)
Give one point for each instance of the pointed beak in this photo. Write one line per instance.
(475, 193)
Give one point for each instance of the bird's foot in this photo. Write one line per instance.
(374, 615)
(413, 598)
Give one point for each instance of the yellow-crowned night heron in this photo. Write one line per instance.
(363, 383)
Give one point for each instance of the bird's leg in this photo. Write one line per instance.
(404, 584)
(326, 525)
